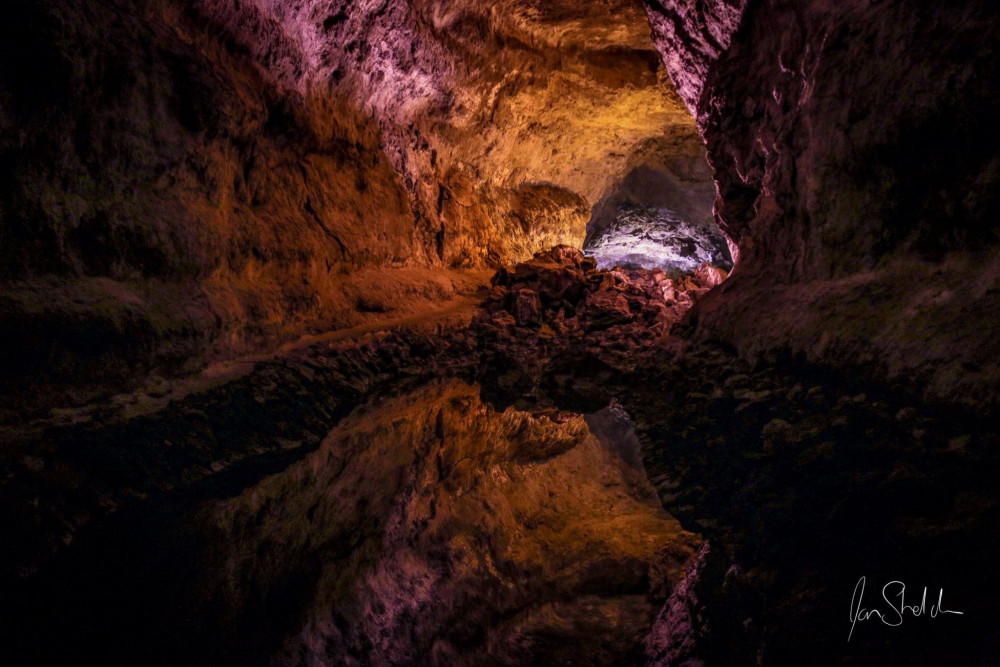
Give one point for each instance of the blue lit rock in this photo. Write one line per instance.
(646, 238)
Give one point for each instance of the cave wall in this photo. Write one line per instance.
(161, 195)
(183, 181)
(481, 108)
(188, 181)
(856, 159)
(677, 178)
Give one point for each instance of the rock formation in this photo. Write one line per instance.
(560, 295)
(651, 238)
(261, 401)
(186, 181)
(854, 151)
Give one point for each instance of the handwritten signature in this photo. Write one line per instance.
(894, 594)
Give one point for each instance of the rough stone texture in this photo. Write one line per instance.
(691, 35)
(649, 238)
(673, 639)
(560, 299)
(179, 175)
(189, 180)
(161, 197)
(480, 106)
(669, 176)
(854, 149)
(673, 176)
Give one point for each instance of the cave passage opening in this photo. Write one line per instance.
(660, 217)
(650, 237)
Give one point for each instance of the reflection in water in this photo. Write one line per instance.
(430, 528)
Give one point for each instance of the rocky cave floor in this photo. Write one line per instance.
(495, 493)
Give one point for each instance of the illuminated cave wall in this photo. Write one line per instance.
(506, 122)
(659, 214)
(184, 181)
(854, 147)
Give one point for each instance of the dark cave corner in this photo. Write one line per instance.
(636, 332)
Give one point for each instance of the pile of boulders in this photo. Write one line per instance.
(561, 292)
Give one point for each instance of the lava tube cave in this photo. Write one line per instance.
(410, 332)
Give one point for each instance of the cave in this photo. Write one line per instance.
(659, 216)
(626, 332)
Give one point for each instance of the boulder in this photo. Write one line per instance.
(606, 308)
(503, 319)
(527, 308)
(707, 275)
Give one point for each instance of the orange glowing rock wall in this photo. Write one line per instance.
(192, 180)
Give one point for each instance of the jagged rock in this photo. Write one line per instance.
(645, 238)
(709, 276)
(504, 319)
(193, 181)
(839, 191)
(184, 181)
(527, 308)
(667, 290)
(674, 638)
(562, 290)
(603, 309)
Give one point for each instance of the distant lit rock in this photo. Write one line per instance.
(646, 238)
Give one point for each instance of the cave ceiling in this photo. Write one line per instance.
(477, 102)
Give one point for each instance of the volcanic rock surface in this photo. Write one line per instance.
(184, 181)
(854, 147)
(560, 298)
(648, 238)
